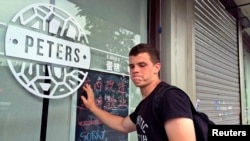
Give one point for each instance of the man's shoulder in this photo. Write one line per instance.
(165, 88)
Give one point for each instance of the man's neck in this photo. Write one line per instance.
(147, 90)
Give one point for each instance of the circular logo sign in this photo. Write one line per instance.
(50, 51)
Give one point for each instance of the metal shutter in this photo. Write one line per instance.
(216, 62)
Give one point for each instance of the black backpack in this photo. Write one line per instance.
(200, 119)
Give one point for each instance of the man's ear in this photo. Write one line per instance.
(157, 68)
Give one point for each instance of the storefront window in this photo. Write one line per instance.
(49, 49)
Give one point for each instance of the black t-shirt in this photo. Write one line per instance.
(174, 104)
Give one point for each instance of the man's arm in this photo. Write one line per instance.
(113, 121)
(180, 129)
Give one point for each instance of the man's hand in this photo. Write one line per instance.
(88, 101)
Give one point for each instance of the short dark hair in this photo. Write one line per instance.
(146, 48)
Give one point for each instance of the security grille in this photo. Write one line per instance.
(216, 62)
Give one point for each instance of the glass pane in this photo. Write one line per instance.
(20, 111)
(49, 49)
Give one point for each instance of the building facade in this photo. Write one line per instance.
(50, 48)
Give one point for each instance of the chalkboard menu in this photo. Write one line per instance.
(111, 93)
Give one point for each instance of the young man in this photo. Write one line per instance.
(175, 116)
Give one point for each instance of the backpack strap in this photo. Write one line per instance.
(194, 111)
(158, 97)
(200, 119)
